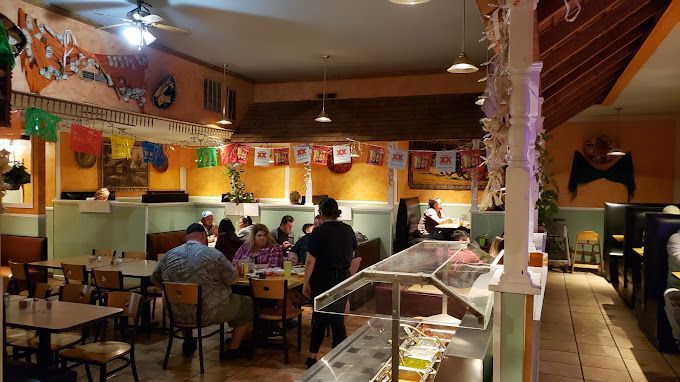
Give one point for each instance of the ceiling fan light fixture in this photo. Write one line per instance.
(462, 65)
(138, 35)
(409, 2)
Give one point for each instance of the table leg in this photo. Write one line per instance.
(146, 309)
(44, 349)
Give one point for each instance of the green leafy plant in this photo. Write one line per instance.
(238, 192)
(17, 176)
(547, 186)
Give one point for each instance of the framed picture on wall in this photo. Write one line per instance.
(123, 174)
(436, 179)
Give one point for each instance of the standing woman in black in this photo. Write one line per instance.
(330, 252)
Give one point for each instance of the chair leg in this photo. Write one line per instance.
(200, 348)
(221, 339)
(285, 342)
(299, 333)
(102, 373)
(153, 308)
(133, 366)
(88, 372)
(167, 350)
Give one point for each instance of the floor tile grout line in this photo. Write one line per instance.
(573, 328)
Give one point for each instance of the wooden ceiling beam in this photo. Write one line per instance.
(576, 68)
(601, 87)
(602, 68)
(590, 13)
(598, 37)
(547, 10)
(557, 118)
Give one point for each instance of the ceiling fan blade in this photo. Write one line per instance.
(114, 26)
(114, 17)
(152, 19)
(170, 28)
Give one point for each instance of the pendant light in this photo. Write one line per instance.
(616, 150)
(462, 63)
(225, 120)
(409, 2)
(323, 117)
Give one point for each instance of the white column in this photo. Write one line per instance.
(392, 182)
(57, 170)
(474, 184)
(308, 185)
(535, 126)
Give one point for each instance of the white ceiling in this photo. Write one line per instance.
(654, 90)
(283, 40)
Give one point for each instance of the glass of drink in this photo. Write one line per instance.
(287, 268)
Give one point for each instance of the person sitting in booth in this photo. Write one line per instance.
(298, 253)
(294, 198)
(245, 224)
(102, 194)
(284, 234)
(432, 217)
(207, 219)
(260, 248)
(672, 294)
(227, 242)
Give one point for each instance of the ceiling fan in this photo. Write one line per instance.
(138, 22)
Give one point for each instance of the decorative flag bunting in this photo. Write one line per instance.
(445, 161)
(421, 161)
(470, 159)
(342, 154)
(376, 156)
(262, 155)
(84, 140)
(396, 159)
(41, 123)
(281, 156)
(121, 147)
(153, 153)
(319, 155)
(302, 153)
(206, 157)
(234, 153)
(242, 152)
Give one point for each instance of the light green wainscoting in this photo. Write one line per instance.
(489, 224)
(171, 217)
(76, 233)
(512, 336)
(375, 222)
(22, 224)
(49, 218)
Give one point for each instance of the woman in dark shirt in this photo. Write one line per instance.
(227, 241)
(329, 254)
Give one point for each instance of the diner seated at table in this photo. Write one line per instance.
(195, 262)
(298, 253)
(207, 220)
(672, 293)
(432, 217)
(245, 224)
(227, 242)
(260, 249)
(284, 234)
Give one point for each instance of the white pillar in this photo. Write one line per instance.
(308, 185)
(535, 126)
(474, 184)
(391, 182)
(57, 170)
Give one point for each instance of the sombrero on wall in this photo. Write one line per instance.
(165, 95)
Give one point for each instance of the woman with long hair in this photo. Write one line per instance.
(260, 248)
(227, 242)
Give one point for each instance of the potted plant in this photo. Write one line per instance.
(546, 205)
(17, 176)
(238, 192)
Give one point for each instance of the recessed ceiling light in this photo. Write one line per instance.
(409, 2)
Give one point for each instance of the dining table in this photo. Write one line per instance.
(618, 238)
(90, 262)
(60, 317)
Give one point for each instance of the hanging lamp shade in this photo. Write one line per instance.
(409, 2)
(616, 151)
(323, 117)
(224, 121)
(462, 64)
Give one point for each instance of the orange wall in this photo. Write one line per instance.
(652, 144)
(443, 83)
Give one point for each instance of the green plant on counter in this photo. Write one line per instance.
(547, 186)
(238, 192)
(17, 176)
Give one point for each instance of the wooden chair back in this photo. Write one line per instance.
(74, 274)
(587, 237)
(134, 255)
(108, 279)
(128, 301)
(106, 252)
(42, 290)
(19, 270)
(182, 293)
(269, 289)
(76, 293)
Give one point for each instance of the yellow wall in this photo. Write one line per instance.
(651, 143)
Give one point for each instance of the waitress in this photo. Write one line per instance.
(329, 254)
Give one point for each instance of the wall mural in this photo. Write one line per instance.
(124, 174)
(424, 172)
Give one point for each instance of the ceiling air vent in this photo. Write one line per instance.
(328, 95)
(92, 76)
(212, 95)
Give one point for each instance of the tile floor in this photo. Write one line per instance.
(589, 334)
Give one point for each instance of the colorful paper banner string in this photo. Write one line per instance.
(206, 157)
(470, 159)
(421, 161)
(319, 155)
(376, 156)
(84, 140)
(41, 123)
(282, 156)
(303, 153)
(396, 159)
(445, 161)
(342, 154)
(121, 147)
(262, 155)
(153, 153)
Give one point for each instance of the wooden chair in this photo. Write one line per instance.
(42, 290)
(276, 290)
(587, 244)
(104, 252)
(19, 280)
(134, 255)
(74, 274)
(103, 352)
(80, 294)
(107, 281)
(187, 295)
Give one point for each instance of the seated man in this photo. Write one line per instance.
(195, 262)
(672, 295)
(207, 220)
(298, 253)
(284, 234)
